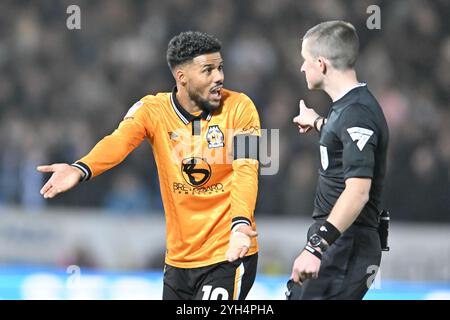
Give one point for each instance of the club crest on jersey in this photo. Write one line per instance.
(214, 136)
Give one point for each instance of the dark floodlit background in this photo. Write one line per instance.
(63, 90)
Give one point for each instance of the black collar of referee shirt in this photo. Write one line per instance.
(185, 116)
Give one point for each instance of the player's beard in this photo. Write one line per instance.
(203, 104)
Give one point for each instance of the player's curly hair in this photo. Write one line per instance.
(188, 45)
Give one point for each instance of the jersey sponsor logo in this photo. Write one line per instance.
(361, 135)
(215, 137)
(323, 229)
(133, 110)
(217, 187)
(324, 157)
(196, 171)
(186, 189)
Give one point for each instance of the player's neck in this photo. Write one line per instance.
(186, 102)
(338, 83)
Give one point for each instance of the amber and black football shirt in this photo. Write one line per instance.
(207, 184)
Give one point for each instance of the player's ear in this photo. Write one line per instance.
(180, 75)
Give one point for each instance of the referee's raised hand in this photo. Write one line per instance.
(305, 118)
(64, 178)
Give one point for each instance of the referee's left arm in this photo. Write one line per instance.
(350, 203)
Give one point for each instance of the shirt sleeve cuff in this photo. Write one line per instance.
(238, 221)
(87, 174)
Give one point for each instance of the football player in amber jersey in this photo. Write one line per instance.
(205, 142)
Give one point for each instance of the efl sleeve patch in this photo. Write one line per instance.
(361, 135)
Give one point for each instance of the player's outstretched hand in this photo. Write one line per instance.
(240, 241)
(305, 118)
(64, 177)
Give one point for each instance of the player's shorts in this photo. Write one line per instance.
(348, 267)
(220, 281)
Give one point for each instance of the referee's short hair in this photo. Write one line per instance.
(335, 40)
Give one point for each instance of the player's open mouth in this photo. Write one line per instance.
(216, 92)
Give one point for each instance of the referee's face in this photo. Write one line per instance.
(311, 67)
(205, 80)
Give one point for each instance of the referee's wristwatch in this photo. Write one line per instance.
(317, 241)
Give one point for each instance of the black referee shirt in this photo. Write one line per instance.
(353, 143)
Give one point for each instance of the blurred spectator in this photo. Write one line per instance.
(127, 195)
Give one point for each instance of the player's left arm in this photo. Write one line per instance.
(244, 186)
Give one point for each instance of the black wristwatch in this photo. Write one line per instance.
(317, 241)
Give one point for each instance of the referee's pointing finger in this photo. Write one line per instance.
(302, 106)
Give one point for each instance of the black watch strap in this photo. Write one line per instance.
(316, 121)
(313, 251)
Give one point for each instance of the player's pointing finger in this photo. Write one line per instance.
(45, 168)
(45, 188)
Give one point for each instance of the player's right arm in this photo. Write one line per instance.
(107, 153)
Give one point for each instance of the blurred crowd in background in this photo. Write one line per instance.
(63, 90)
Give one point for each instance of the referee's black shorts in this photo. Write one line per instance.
(220, 281)
(347, 267)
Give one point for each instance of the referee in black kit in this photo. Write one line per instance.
(343, 244)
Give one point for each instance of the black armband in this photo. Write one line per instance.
(328, 232)
(245, 146)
